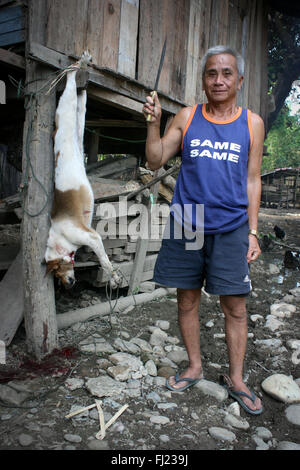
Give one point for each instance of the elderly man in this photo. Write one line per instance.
(221, 148)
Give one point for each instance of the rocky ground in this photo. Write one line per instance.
(121, 360)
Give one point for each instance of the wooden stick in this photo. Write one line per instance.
(115, 417)
(101, 434)
(77, 412)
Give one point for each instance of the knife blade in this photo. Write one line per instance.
(161, 63)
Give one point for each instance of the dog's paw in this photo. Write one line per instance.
(85, 59)
(115, 279)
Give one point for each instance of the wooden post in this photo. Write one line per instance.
(38, 164)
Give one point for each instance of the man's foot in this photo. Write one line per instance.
(191, 374)
(240, 392)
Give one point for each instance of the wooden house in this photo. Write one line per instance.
(38, 38)
(281, 188)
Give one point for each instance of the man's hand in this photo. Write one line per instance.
(152, 107)
(254, 250)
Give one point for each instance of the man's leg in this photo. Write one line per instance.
(188, 301)
(236, 331)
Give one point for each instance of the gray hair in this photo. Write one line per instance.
(224, 50)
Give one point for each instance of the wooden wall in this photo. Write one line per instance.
(127, 36)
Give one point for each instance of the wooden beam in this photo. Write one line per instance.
(39, 300)
(11, 58)
(116, 99)
(114, 123)
(104, 78)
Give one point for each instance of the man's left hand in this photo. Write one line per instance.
(254, 250)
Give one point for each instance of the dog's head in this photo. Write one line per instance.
(63, 269)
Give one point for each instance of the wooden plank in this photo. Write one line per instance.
(11, 300)
(15, 24)
(11, 38)
(193, 50)
(102, 35)
(126, 269)
(10, 13)
(67, 25)
(8, 57)
(128, 37)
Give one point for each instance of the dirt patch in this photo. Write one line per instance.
(41, 416)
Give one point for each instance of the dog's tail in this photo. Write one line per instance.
(81, 64)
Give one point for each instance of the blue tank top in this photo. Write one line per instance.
(214, 171)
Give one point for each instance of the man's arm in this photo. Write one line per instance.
(254, 183)
(160, 149)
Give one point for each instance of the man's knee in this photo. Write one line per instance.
(188, 300)
(234, 307)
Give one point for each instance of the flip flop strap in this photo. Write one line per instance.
(186, 379)
(243, 394)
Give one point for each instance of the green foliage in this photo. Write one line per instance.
(283, 143)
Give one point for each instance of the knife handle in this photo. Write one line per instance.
(149, 115)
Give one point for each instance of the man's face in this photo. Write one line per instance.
(220, 81)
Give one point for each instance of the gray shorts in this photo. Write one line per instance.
(220, 266)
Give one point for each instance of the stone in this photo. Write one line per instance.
(121, 373)
(166, 372)
(272, 343)
(163, 324)
(96, 444)
(159, 419)
(263, 433)
(286, 445)
(164, 438)
(142, 344)
(158, 337)
(126, 346)
(125, 359)
(104, 386)
(75, 438)
(293, 343)
(151, 368)
(25, 440)
(273, 269)
(74, 384)
(212, 389)
(282, 388)
(261, 444)
(166, 406)
(296, 357)
(178, 355)
(12, 397)
(95, 344)
(221, 434)
(292, 414)
(273, 323)
(153, 396)
(256, 318)
(282, 310)
(236, 422)
(295, 292)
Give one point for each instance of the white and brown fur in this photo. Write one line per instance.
(73, 203)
